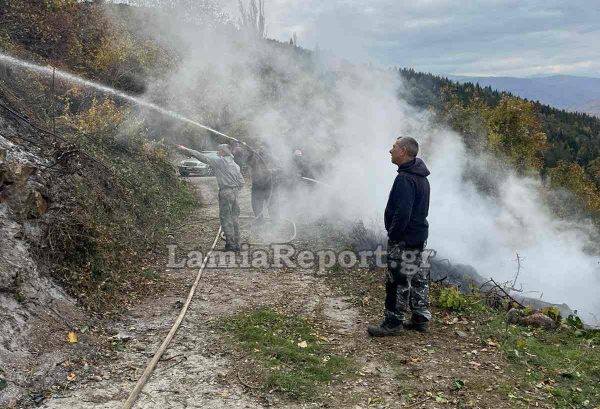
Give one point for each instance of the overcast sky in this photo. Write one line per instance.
(486, 37)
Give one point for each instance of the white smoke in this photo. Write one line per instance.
(347, 117)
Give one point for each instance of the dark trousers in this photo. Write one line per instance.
(264, 198)
(406, 284)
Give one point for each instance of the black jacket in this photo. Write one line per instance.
(408, 205)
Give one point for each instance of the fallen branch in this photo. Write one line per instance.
(175, 364)
(440, 280)
(171, 357)
(496, 285)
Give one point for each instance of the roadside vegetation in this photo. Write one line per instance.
(562, 364)
(104, 251)
(114, 192)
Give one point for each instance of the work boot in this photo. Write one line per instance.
(417, 323)
(390, 326)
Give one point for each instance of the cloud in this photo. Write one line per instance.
(489, 37)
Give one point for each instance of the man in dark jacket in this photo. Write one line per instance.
(407, 287)
(264, 194)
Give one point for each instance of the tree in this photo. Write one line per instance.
(252, 18)
(515, 132)
(573, 177)
(594, 170)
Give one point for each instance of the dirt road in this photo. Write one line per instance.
(201, 370)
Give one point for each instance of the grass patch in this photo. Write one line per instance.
(293, 359)
(563, 364)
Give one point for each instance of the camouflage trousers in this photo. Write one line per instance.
(229, 213)
(406, 284)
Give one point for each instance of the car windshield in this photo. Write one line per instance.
(191, 163)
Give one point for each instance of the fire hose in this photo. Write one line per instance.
(165, 344)
(157, 356)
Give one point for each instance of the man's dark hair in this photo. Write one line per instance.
(410, 144)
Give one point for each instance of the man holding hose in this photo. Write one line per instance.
(230, 183)
(406, 287)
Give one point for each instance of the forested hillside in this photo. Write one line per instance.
(568, 92)
(568, 152)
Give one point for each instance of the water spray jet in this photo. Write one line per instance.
(51, 71)
(54, 73)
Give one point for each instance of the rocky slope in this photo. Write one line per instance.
(29, 193)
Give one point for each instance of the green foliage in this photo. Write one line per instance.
(451, 298)
(293, 359)
(573, 177)
(561, 363)
(118, 211)
(552, 312)
(515, 132)
(511, 129)
(458, 384)
(574, 321)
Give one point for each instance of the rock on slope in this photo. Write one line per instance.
(31, 303)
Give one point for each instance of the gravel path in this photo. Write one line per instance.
(198, 370)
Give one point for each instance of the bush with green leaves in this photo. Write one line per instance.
(451, 298)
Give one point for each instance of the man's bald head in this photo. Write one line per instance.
(409, 144)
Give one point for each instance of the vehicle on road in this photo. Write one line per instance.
(192, 166)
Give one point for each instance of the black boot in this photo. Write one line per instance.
(391, 325)
(417, 323)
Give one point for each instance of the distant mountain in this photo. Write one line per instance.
(561, 91)
(591, 107)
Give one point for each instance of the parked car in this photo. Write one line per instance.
(193, 166)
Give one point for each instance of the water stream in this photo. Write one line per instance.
(46, 70)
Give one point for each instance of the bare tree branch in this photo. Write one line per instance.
(252, 18)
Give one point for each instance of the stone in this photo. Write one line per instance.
(41, 204)
(539, 320)
(461, 334)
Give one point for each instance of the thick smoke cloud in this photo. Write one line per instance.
(345, 118)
